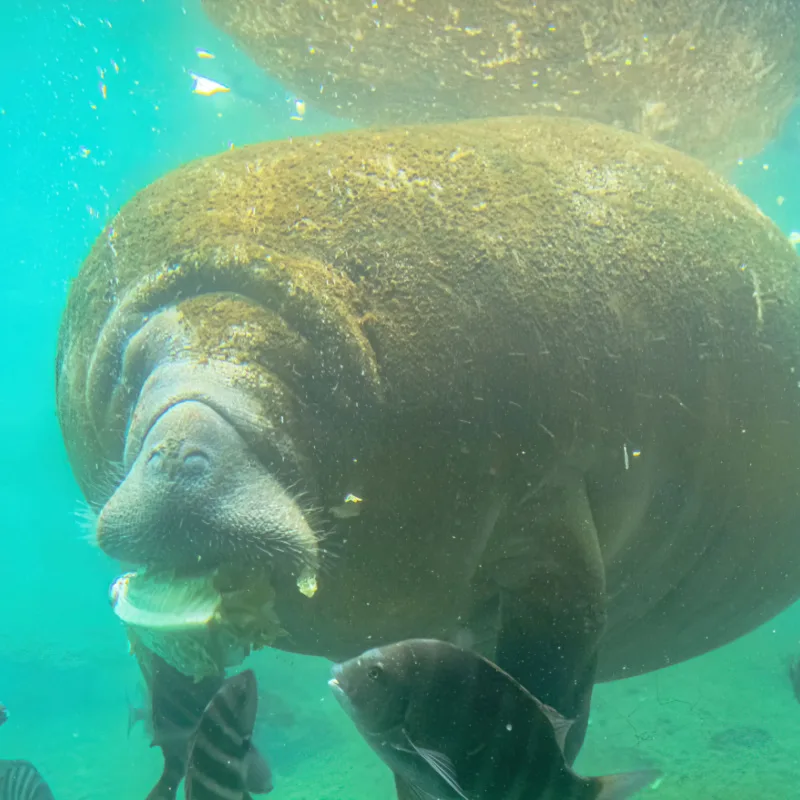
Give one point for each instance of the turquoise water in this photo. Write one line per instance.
(724, 726)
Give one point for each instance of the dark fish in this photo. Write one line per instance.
(20, 780)
(171, 715)
(173, 709)
(222, 762)
(3, 714)
(453, 726)
(793, 668)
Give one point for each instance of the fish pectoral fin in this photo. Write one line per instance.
(407, 791)
(626, 784)
(440, 764)
(167, 786)
(257, 774)
(561, 725)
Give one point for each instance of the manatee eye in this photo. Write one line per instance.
(374, 673)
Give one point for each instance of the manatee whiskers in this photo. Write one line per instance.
(104, 481)
(86, 517)
(114, 471)
(330, 550)
(295, 554)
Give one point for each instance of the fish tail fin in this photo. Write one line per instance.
(167, 786)
(258, 776)
(623, 785)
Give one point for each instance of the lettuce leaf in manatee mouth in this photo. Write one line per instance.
(199, 623)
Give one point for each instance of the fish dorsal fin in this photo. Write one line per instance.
(561, 725)
(440, 764)
(625, 784)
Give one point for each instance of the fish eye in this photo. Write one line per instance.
(374, 673)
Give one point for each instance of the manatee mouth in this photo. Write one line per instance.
(196, 498)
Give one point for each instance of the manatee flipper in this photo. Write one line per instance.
(552, 598)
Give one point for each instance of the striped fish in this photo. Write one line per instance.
(176, 703)
(20, 780)
(223, 765)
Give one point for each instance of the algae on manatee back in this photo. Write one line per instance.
(687, 73)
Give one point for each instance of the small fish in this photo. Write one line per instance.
(453, 726)
(222, 762)
(20, 780)
(3, 714)
(173, 710)
(278, 713)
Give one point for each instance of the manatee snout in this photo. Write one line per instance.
(197, 496)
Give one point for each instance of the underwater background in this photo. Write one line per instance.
(96, 102)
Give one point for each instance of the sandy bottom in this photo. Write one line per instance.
(724, 727)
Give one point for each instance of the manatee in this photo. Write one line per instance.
(548, 369)
(688, 73)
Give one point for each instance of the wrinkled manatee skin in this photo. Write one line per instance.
(437, 319)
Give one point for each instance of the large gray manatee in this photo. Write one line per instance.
(555, 362)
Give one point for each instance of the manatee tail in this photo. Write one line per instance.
(624, 785)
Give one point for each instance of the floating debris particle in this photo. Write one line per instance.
(299, 110)
(205, 86)
(307, 583)
(348, 509)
